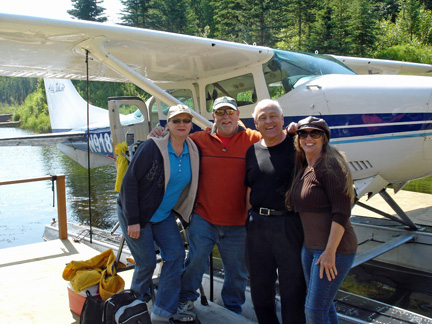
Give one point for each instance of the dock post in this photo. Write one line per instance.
(61, 206)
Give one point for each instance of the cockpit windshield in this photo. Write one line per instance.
(287, 70)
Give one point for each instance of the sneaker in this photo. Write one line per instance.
(186, 306)
(155, 318)
(183, 316)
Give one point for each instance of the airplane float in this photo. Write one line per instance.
(381, 119)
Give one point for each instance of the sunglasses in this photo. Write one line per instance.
(314, 134)
(178, 121)
(221, 112)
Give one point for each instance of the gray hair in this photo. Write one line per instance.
(264, 103)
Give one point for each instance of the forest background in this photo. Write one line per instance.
(390, 29)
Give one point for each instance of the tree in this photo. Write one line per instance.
(261, 20)
(363, 28)
(138, 13)
(228, 17)
(166, 15)
(297, 20)
(425, 27)
(320, 39)
(13, 91)
(409, 16)
(88, 10)
(203, 10)
(341, 31)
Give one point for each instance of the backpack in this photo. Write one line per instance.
(92, 310)
(124, 307)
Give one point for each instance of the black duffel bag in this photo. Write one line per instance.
(125, 308)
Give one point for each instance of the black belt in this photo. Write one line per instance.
(269, 212)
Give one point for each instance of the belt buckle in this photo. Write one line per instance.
(264, 211)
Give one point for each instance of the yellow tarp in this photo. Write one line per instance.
(97, 270)
(122, 164)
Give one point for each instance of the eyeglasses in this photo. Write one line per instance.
(221, 112)
(314, 134)
(178, 121)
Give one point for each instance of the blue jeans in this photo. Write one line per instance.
(167, 236)
(319, 306)
(202, 236)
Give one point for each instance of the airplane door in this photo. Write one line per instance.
(129, 120)
(307, 99)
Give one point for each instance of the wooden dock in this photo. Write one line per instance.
(6, 121)
(33, 290)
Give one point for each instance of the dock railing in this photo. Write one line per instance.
(61, 198)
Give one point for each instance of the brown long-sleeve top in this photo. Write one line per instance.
(319, 198)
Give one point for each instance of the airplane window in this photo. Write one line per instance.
(184, 95)
(287, 70)
(241, 88)
(154, 113)
(130, 114)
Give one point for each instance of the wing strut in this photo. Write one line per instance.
(404, 219)
(95, 46)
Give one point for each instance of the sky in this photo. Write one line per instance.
(56, 8)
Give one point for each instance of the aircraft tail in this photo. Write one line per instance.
(68, 110)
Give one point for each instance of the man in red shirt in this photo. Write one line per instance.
(220, 211)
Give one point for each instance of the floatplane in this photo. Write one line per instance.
(379, 111)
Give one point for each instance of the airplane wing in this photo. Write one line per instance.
(42, 139)
(48, 48)
(376, 66)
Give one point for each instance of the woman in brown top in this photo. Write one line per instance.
(322, 193)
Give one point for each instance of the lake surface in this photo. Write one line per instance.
(26, 208)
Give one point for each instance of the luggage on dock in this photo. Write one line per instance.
(125, 308)
(92, 310)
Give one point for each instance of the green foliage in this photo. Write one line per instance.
(100, 91)
(408, 53)
(137, 13)
(88, 10)
(408, 18)
(363, 28)
(13, 91)
(420, 185)
(6, 108)
(166, 15)
(33, 114)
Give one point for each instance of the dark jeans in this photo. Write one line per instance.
(273, 247)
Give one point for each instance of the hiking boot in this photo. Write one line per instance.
(185, 306)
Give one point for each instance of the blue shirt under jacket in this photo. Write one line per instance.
(180, 176)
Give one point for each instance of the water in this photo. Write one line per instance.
(26, 208)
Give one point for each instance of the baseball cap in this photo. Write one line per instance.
(177, 110)
(224, 102)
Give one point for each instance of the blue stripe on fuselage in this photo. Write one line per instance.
(370, 127)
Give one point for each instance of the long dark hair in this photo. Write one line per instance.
(328, 154)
